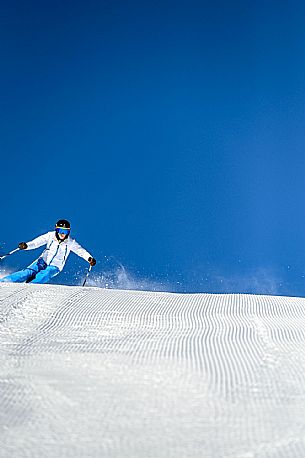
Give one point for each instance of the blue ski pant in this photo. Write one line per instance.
(41, 276)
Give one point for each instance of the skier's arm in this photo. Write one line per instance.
(80, 251)
(35, 243)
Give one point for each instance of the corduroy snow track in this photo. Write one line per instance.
(89, 372)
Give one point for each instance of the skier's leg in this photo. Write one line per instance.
(18, 277)
(45, 275)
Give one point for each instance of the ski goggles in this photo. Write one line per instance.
(61, 230)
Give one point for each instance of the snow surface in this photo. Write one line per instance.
(89, 372)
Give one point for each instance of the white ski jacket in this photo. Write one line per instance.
(57, 252)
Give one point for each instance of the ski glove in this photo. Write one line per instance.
(22, 246)
(91, 261)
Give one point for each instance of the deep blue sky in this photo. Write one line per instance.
(170, 133)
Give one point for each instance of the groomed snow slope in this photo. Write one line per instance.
(87, 372)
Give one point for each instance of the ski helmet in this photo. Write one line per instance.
(62, 227)
(63, 223)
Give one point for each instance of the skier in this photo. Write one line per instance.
(53, 258)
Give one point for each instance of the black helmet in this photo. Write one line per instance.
(62, 227)
(63, 223)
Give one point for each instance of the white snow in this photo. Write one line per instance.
(88, 372)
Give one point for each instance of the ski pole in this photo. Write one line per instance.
(87, 275)
(8, 254)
